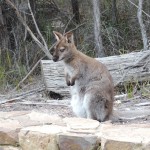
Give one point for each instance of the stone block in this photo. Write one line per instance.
(81, 125)
(40, 137)
(9, 148)
(77, 141)
(9, 132)
(125, 137)
(44, 118)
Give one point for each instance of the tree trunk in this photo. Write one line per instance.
(142, 26)
(97, 29)
(2, 31)
(75, 9)
(114, 12)
(4, 36)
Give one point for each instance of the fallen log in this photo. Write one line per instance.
(123, 68)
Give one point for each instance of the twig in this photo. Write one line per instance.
(18, 85)
(138, 7)
(76, 27)
(22, 95)
(29, 92)
(36, 26)
(45, 50)
(68, 24)
(109, 37)
(9, 100)
(27, 59)
(33, 68)
(41, 103)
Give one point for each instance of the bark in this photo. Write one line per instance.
(142, 26)
(75, 9)
(114, 12)
(97, 29)
(3, 31)
(4, 34)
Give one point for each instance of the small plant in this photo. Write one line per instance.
(129, 89)
(2, 76)
(11, 77)
(145, 89)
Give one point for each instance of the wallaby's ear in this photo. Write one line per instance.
(69, 37)
(58, 35)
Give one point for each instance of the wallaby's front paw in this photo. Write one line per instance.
(72, 82)
(68, 83)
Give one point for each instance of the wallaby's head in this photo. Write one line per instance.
(64, 46)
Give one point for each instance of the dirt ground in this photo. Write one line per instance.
(33, 97)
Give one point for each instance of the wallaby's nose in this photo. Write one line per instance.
(55, 58)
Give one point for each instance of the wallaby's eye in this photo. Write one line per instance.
(62, 49)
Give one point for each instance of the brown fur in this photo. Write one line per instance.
(91, 84)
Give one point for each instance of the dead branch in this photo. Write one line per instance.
(29, 92)
(20, 96)
(45, 50)
(68, 24)
(28, 74)
(9, 100)
(54, 104)
(76, 27)
(36, 26)
(138, 7)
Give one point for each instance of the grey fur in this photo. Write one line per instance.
(89, 80)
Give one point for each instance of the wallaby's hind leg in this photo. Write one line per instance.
(97, 107)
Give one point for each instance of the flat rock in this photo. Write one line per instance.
(40, 137)
(77, 141)
(129, 137)
(11, 114)
(9, 148)
(81, 124)
(9, 132)
(12, 122)
(45, 118)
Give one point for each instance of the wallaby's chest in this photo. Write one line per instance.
(70, 70)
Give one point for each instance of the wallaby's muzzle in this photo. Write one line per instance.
(55, 58)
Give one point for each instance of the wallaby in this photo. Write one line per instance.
(92, 88)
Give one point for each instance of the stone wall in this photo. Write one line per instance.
(39, 131)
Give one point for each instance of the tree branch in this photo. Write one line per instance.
(45, 49)
(36, 26)
(138, 7)
(33, 68)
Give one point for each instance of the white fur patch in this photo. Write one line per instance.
(61, 48)
(77, 106)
